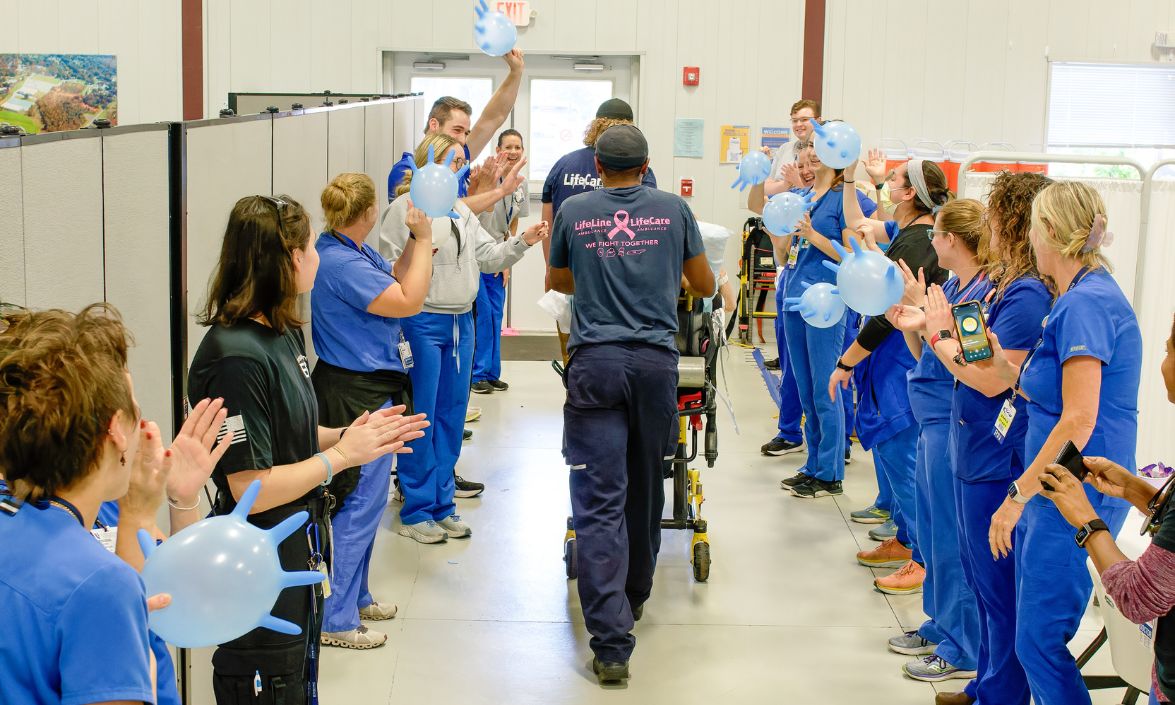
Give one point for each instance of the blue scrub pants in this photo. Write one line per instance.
(946, 596)
(896, 459)
(618, 430)
(491, 306)
(442, 348)
(354, 530)
(791, 413)
(1053, 591)
(1001, 679)
(813, 353)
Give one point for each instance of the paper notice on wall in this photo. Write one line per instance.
(688, 138)
(734, 143)
(774, 137)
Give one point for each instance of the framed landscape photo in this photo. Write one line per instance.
(54, 92)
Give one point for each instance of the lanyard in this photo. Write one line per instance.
(509, 209)
(347, 243)
(67, 506)
(1040, 341)
(972, 286)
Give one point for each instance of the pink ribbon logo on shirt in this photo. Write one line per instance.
(621, 226)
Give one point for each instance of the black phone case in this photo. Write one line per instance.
(1071, 459)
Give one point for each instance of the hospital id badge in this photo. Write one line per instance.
(107, 536)
(325, 579)
(1003, 422)
(793, 254)
(405, 349)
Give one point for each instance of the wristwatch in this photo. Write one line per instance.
(1015, 495)
(842, 366)
(879, 186)
(941, 335)
(1088, 530)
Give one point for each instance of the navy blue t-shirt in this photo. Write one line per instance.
(625, 247)
(575, 173)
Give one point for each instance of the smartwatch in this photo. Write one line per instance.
(1015, 495)
(1088, 530)
(842, 366)
(941, 335)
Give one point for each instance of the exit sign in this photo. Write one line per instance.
(517, 10)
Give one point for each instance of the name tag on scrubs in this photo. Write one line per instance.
(326, 579)
(108, 537)
(1003, 422)
(405, 349)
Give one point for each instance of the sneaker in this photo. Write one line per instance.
(466, 435)
(885, 532)
(610, 672)
(906, 580)
(911, 644)
(778, 446)
(455, 528)
(870, 515)
(398, 496)
(771, 364)
(638, 611)
(890, 554)
(481, 388)
(466, 489)
(848, 454)
(424, 532)
(472, 413)
(933, 669)
(377, 612)
(790, 483)
(358, 638)
(499, 385)
(816, 487)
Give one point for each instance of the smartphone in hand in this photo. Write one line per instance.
(1071, 459)
(972, 331)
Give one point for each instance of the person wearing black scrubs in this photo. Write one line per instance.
(254, 357)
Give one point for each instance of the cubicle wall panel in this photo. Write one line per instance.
(225, 162)
(11, 228)
(300, 161)
(138, 260)
(62, 198)
(346, 140)
(380, 152)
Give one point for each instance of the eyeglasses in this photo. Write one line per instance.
(278, 206)
(930, 235)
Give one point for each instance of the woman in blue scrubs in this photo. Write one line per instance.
(982, 464)
(1081, 382)
(813, 351)
(362, 366)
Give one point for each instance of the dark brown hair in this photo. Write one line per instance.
(255, 273)
(1010, 205)
(806, 103)
(62, 378)
(936, 183)
(443, 108)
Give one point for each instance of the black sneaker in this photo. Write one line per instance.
(481, 388)
(778, 446)
(814, 488)
(610, 672)
(772, 364)
(790, 483)
(638, 611)
(466, 435)
(498, 385)
(849, 454)
(466, 489)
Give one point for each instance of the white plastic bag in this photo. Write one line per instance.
(714, 239)
(558, 305)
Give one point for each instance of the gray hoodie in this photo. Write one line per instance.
(458, 262)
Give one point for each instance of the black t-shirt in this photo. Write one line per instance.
(264, 378)
(1165, 629)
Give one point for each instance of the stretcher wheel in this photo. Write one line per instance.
(571, 558)
(701, 562)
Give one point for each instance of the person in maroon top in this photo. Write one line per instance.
(1144, 589)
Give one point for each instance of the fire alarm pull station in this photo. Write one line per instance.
(687, 188)
(690, 75)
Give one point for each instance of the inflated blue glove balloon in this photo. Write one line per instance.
(493, 32)
(223, 575)
(837, 144)
(434, 186)
(782, 214)
(868, 281)
(820, 305)
(752, 170)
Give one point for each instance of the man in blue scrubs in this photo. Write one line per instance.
(623, 252)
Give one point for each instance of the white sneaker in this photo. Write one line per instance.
(424, 532)
(360, 638)
(376, 612)
(454, 527)
(472, 413)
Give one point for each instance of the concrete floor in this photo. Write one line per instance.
(787, 614)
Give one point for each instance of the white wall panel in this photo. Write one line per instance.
(346, 138)
(11, 228)
(380, 152)
(138, 258)
(225, 162)
(62, 197)
(300, 161)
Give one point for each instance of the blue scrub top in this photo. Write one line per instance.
(828, 219)
(396, 175)
(1015, 317)
(1093, 319)
(75, 616)
(344, 333)
(931, 385)
(168, 690)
